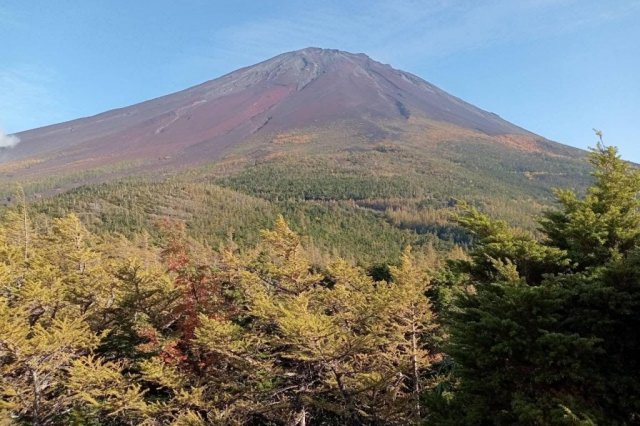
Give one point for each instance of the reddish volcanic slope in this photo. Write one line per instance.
(309, 87)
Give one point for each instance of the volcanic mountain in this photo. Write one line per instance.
(309, 88)
(358, 156)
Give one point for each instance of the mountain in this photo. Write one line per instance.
(296, 90)
(358, 156)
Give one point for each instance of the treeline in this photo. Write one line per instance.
(107, 330)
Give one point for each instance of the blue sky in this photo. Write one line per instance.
(556, 67)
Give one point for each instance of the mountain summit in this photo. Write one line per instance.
(306, 88)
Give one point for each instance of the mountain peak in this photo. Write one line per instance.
(320, 52)
(340, 85)
(301, 67)
(311, 87)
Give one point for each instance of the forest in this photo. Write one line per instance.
(153, 326)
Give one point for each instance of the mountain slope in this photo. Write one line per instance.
(296, 90)
(359, 157)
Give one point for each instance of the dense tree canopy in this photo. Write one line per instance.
(531, 330)
(546, 332)
(105, 330)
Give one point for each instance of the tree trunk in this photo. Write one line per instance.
(36, 398)
(25, 225)
(345, 395)
(416, 372)
(300, 418)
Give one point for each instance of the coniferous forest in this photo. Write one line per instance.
(526, 327)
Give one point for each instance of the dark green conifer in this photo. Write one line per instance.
(546, 332)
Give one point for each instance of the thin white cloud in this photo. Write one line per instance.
(8, 141)
(404, 31)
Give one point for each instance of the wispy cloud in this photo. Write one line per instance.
(399, 30)
(405, 33)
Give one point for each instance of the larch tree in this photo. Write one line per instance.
(43, 329)
(411, 321)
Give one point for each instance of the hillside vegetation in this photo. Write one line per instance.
(105, 329)
(361, 200)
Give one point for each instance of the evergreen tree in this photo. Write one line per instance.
(606, 221)
(543, 332)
